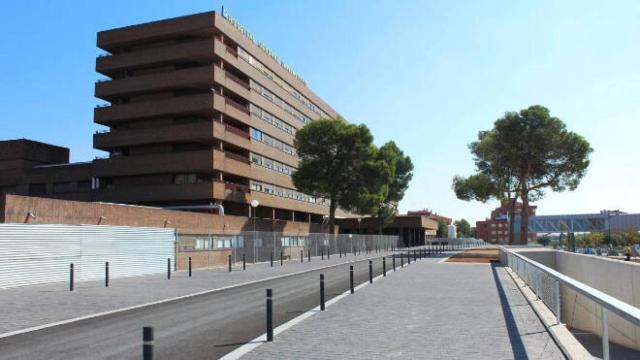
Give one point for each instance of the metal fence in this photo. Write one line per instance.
(547, 284)
(33, 254)
(258, 246)
(458, 242)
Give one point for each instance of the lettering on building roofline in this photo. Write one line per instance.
(261, 45)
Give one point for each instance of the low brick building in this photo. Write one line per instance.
(495, 229)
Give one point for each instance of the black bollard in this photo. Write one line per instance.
(351, 277)
(244, 262)
(408, 257)
(70, 277)
(393, 259)
(168, 268)
(147, 343)
(271, 259)
(415, 255)
(189, 266)
(281, 257)
(321, 292)
(384, 266)
(401, 260)
(370, 272)
(308, 255)
(301, 256)
(106, 274)
(269, 315)
(229, 263)
(329, 254)
(322, 254)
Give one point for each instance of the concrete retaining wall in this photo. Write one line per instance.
(619, 279)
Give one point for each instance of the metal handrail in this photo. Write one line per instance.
(618, 307)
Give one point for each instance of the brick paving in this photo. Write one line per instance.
(428, 310)
(36, 305)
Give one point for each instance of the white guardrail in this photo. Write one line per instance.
(545, 283)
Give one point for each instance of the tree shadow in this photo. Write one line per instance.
(517, 346)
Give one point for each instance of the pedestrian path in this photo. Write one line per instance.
(36, 305)
(429, 310)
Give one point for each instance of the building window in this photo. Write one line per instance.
(63, 187)
(188, 178)
(37, 189)
(203, 244)
(84, 185)
(256, 134)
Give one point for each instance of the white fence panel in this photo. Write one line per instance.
(33, 254)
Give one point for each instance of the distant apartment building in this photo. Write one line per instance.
(431, 215)
(196, 112)
(495, 229)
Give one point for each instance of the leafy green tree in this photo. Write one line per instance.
(491, 181)
(544, 240)
(463, 228)
(402, 173)
(535, 152)
(442, 231)
(339, 162)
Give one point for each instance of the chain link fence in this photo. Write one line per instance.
(545, 287)
(458, 242)
(210, 250)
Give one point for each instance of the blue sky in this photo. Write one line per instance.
(427, 74)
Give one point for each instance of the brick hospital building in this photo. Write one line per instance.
(196, 114)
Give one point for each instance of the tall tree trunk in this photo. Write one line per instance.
(332, 214)
(524, 218)
(512, 217)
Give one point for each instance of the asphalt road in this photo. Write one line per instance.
(202, 327)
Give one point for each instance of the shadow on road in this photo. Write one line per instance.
(519, 351)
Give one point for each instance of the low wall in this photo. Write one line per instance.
(201, 259)
(619, 279)
(16, 209)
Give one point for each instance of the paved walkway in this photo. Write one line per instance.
(428, 310)
(36, 305)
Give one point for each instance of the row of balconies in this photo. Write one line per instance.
(200, 161)
(203, 51)
(201, 132)
(226, 191)
(173, 192)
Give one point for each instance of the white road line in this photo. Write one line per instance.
(251, 345)
(163, 301)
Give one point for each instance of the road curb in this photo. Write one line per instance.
(251, 345)
(177, 298)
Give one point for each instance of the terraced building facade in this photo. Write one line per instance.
(196, 113)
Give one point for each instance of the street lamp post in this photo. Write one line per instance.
(359, 231)
(254, 205)
(351, 242)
